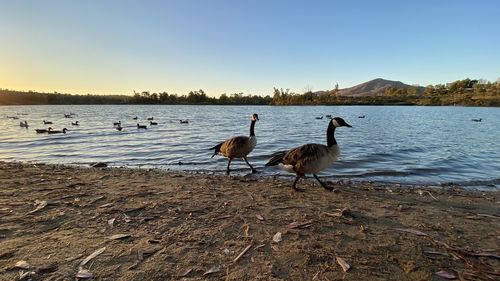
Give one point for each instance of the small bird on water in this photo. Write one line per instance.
(238, 147)
(311, 158)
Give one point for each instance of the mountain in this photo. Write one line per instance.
(374, 87)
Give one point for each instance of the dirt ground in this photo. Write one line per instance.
(129, 224)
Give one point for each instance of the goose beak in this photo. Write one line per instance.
(347, 125)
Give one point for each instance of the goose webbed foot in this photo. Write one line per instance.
(329, 188)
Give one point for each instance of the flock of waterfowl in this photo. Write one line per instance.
(116, 125)
(309, 158)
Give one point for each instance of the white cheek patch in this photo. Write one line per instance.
(335, 123)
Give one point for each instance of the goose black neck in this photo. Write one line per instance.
(252, 125)
(330, 135)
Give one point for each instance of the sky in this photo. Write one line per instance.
(233, 46)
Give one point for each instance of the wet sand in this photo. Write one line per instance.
(130, 224)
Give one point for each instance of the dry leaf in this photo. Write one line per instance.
(84, 274)
(277, 237)
(445, 274)
(126, 218)
(22, 265)
(93, 255)
(213, 269)
(259, 217)
(345, 266)
(39, 205)
(119, 236)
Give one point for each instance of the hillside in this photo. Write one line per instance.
(374, 87)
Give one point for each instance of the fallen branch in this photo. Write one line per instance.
(242, 253)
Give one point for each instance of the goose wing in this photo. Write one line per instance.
(304, 154)
(233, 145)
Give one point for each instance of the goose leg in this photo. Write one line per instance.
(253, 170)
(294, 185)
(322, 184)
(228, 164)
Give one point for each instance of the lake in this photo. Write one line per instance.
(393, 144)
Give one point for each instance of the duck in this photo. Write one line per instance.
(477, 120)
(184, 121)
(319, 118)
(12, 117)
(42, 131)
(361, 116)
(238, 147)
(63, 131)
(119, 123)
(24, 124)
(141, 126)
(150, 118)
(153, 123)
(311, 158)
(68, 115)
(328, 116)
(75, 123)
(47, 122)
(119, 128)
(135, 118)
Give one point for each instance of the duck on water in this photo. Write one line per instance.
(238, 147)
(310, 158)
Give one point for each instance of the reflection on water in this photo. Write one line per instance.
(410, 145)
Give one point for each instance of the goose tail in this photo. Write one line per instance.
(217, 149)
(276, 158)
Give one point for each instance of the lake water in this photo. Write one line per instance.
(396, 144)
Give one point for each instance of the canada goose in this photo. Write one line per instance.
(184, 121)
(361, 116)
(319, 118)
(50, 131)
(23, 124)
(141, 126)
(135, 118)
(47, 122)
(75, 123)
(153, 123)
(238, 147)
(42, 131)
(311, 158)
(477, 120)
(119, 123)
(150, 118)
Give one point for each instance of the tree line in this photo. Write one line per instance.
(471, 92)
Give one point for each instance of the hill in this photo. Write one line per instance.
(375, 87)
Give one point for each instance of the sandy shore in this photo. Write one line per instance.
(154, 225)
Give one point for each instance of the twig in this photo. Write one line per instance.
(242, 253)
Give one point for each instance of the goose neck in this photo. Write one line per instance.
(252, 126)
(330, 135)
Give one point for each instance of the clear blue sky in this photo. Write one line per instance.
(111, 47)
